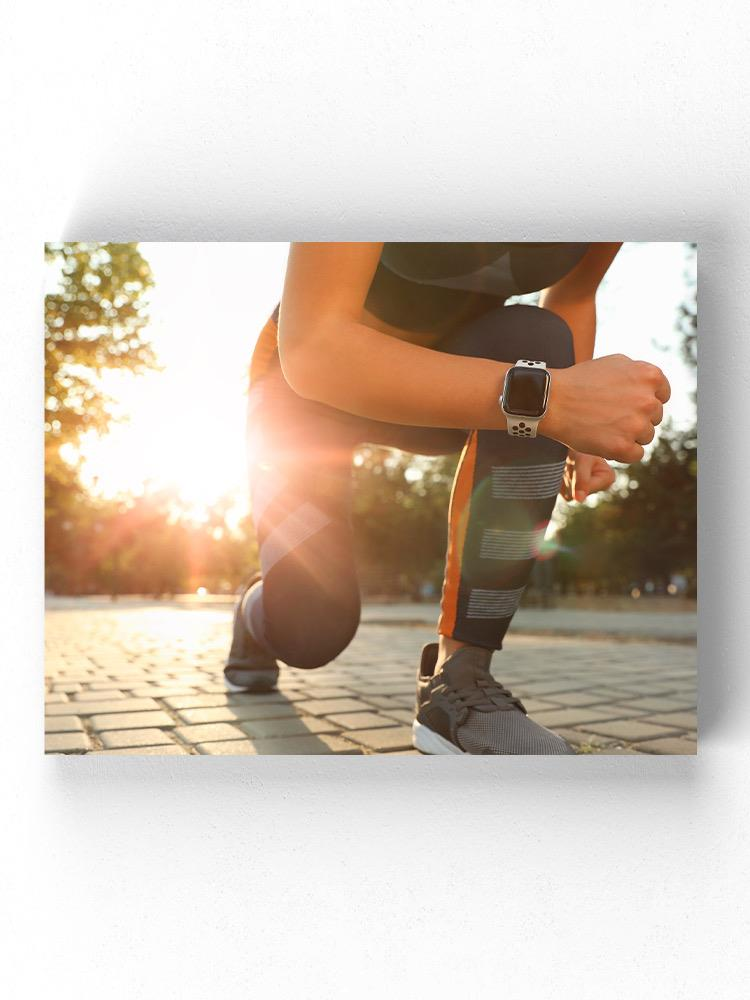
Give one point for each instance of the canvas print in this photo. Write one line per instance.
(370, 498)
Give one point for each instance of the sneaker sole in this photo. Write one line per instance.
(428, 741)
(260, 683)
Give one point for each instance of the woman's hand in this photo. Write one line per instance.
(584, 475)
(610, 407)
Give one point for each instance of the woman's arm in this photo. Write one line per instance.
(329, 355)
(574, 297)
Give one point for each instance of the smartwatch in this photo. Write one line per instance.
(524, 397)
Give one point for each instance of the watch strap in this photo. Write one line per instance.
(522, 428)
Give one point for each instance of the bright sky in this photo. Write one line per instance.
(185, 426)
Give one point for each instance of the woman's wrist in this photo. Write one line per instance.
(553, 424)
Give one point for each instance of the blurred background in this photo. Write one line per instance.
(146, 355)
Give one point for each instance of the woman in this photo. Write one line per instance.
(411, 345)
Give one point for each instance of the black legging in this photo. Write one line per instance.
(306, 609)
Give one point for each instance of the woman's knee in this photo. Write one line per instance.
(512, 332)
(310, 648)
(310, 633)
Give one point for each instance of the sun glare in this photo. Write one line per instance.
(200, 474)
(181, 429)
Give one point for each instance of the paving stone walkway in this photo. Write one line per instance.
(146, 678)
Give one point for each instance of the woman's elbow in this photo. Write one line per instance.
(297, 371)
(301, 368)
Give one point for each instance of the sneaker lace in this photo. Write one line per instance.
(486, 693)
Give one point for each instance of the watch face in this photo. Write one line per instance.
(526, 391)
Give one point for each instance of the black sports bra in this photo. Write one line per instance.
(434, 286)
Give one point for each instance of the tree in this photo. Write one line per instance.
(644, 531)
(687, 319)
(94, 321)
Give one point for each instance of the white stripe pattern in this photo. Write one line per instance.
(293, 530)
(493, 603)
(526, 482)
(499, 544)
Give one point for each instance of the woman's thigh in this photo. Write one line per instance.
(300, 489)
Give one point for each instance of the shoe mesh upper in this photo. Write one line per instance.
(507, 732)
(488, 719)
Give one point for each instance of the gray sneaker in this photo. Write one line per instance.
(463, 709)
(249, 667)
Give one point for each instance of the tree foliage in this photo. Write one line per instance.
(400, 510)
(687, 318)
(93, 321)
(643, 532)
(146, 545)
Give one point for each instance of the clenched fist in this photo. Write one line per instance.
(608, 407)
(584, 475)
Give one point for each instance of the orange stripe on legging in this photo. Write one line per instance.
(265, 348)
(458, 518)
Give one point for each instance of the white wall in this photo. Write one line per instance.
(203, 878)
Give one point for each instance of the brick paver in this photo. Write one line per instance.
(56, 698)
(226, 748)
(300, 725)
(104, 707)
(211, 732)
(679, 745)
(237, 713)
(62, 724)
(66, 743)
(114, 739)
(398, 738)
(322, 744)
(631, 730)
(130, 720)
(146, 678)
